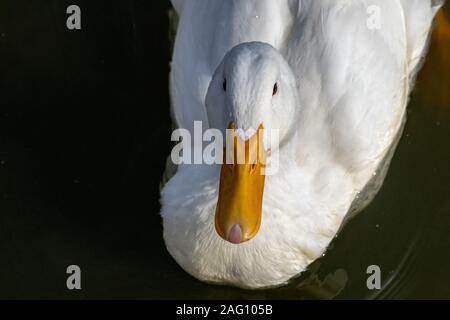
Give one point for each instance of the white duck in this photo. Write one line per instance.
(333, 76)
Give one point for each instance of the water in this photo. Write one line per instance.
(82, 153)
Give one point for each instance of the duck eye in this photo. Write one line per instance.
(224, 85)
(275, 89)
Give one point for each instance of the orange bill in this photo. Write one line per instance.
(239, 207)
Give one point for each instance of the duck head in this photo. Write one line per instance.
(253, 94)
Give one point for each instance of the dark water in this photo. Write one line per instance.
(84, 134)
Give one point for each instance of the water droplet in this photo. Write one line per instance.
(257, 17)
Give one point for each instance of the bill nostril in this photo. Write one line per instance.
(235, 236)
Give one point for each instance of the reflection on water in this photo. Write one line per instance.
(405, 229)
(434, 81)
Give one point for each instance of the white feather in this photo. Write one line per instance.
(344, 98)
(178, 5)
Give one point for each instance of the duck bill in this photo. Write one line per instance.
(239, 206)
